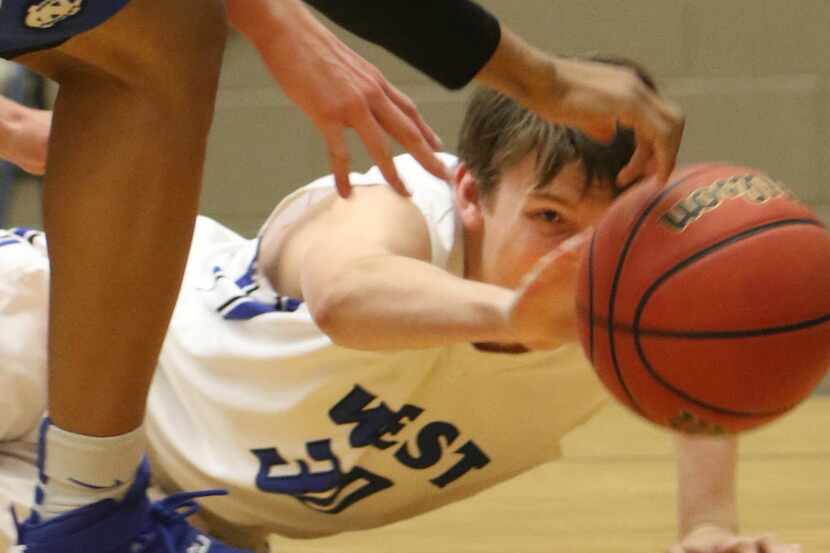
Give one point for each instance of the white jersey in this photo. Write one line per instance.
(311, 438)
(24, 299)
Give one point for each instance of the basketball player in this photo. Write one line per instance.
(366, 360)
(127, 69)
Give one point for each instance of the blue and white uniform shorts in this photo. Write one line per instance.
(30, 25)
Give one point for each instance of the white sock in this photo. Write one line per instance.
(78, 470)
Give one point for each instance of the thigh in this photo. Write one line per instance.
(144, 43)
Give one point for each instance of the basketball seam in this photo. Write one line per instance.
(715, 334)
(591, 299)
(618, 275)
(676, 268)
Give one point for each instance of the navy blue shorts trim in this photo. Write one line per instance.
(30, 25)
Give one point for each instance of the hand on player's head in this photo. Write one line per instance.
(599, 97)
(658, 127)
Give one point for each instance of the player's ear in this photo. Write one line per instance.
(468, 199)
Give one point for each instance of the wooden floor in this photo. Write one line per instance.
(614, 492)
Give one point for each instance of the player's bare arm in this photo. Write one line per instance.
(362, 266)
(24, 135)
(707, 505)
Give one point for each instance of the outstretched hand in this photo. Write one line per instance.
(543, 312)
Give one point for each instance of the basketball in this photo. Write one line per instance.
(704, 305)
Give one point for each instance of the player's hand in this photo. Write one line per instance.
(597, 97)
(339, 90)
(542, 314)
(27, 141)
(713, 539)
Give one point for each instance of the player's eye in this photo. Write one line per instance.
(549, 216)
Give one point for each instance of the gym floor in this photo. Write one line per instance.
(614, 491)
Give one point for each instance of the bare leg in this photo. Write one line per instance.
(121, 192)
(122, 185)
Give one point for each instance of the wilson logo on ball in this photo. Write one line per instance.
(753, 188)
(690, 424)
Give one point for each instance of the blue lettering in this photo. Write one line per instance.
(429, 444)
(473, 458)
(372, 424)
(304, 481)
(322, 491)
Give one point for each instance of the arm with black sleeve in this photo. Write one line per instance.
(448, 40)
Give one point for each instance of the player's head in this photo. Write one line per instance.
(524, 185)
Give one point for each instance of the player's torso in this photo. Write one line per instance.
(311, 438)
(325, 440)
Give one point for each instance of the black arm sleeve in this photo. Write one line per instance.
(449, 40)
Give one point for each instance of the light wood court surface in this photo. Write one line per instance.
(613, 492)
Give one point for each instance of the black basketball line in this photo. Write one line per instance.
(738, 334)
(714, 334)
(677, 268)
(591, 299)
(618, 274)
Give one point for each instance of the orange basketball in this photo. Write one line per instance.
(705, 304)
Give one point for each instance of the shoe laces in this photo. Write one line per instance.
(170, 513)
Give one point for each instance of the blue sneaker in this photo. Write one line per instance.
(132, 525)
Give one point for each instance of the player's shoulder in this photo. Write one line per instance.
(432, 196)
(429, 193)
(418, 180)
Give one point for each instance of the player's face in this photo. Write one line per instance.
(523, 219)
